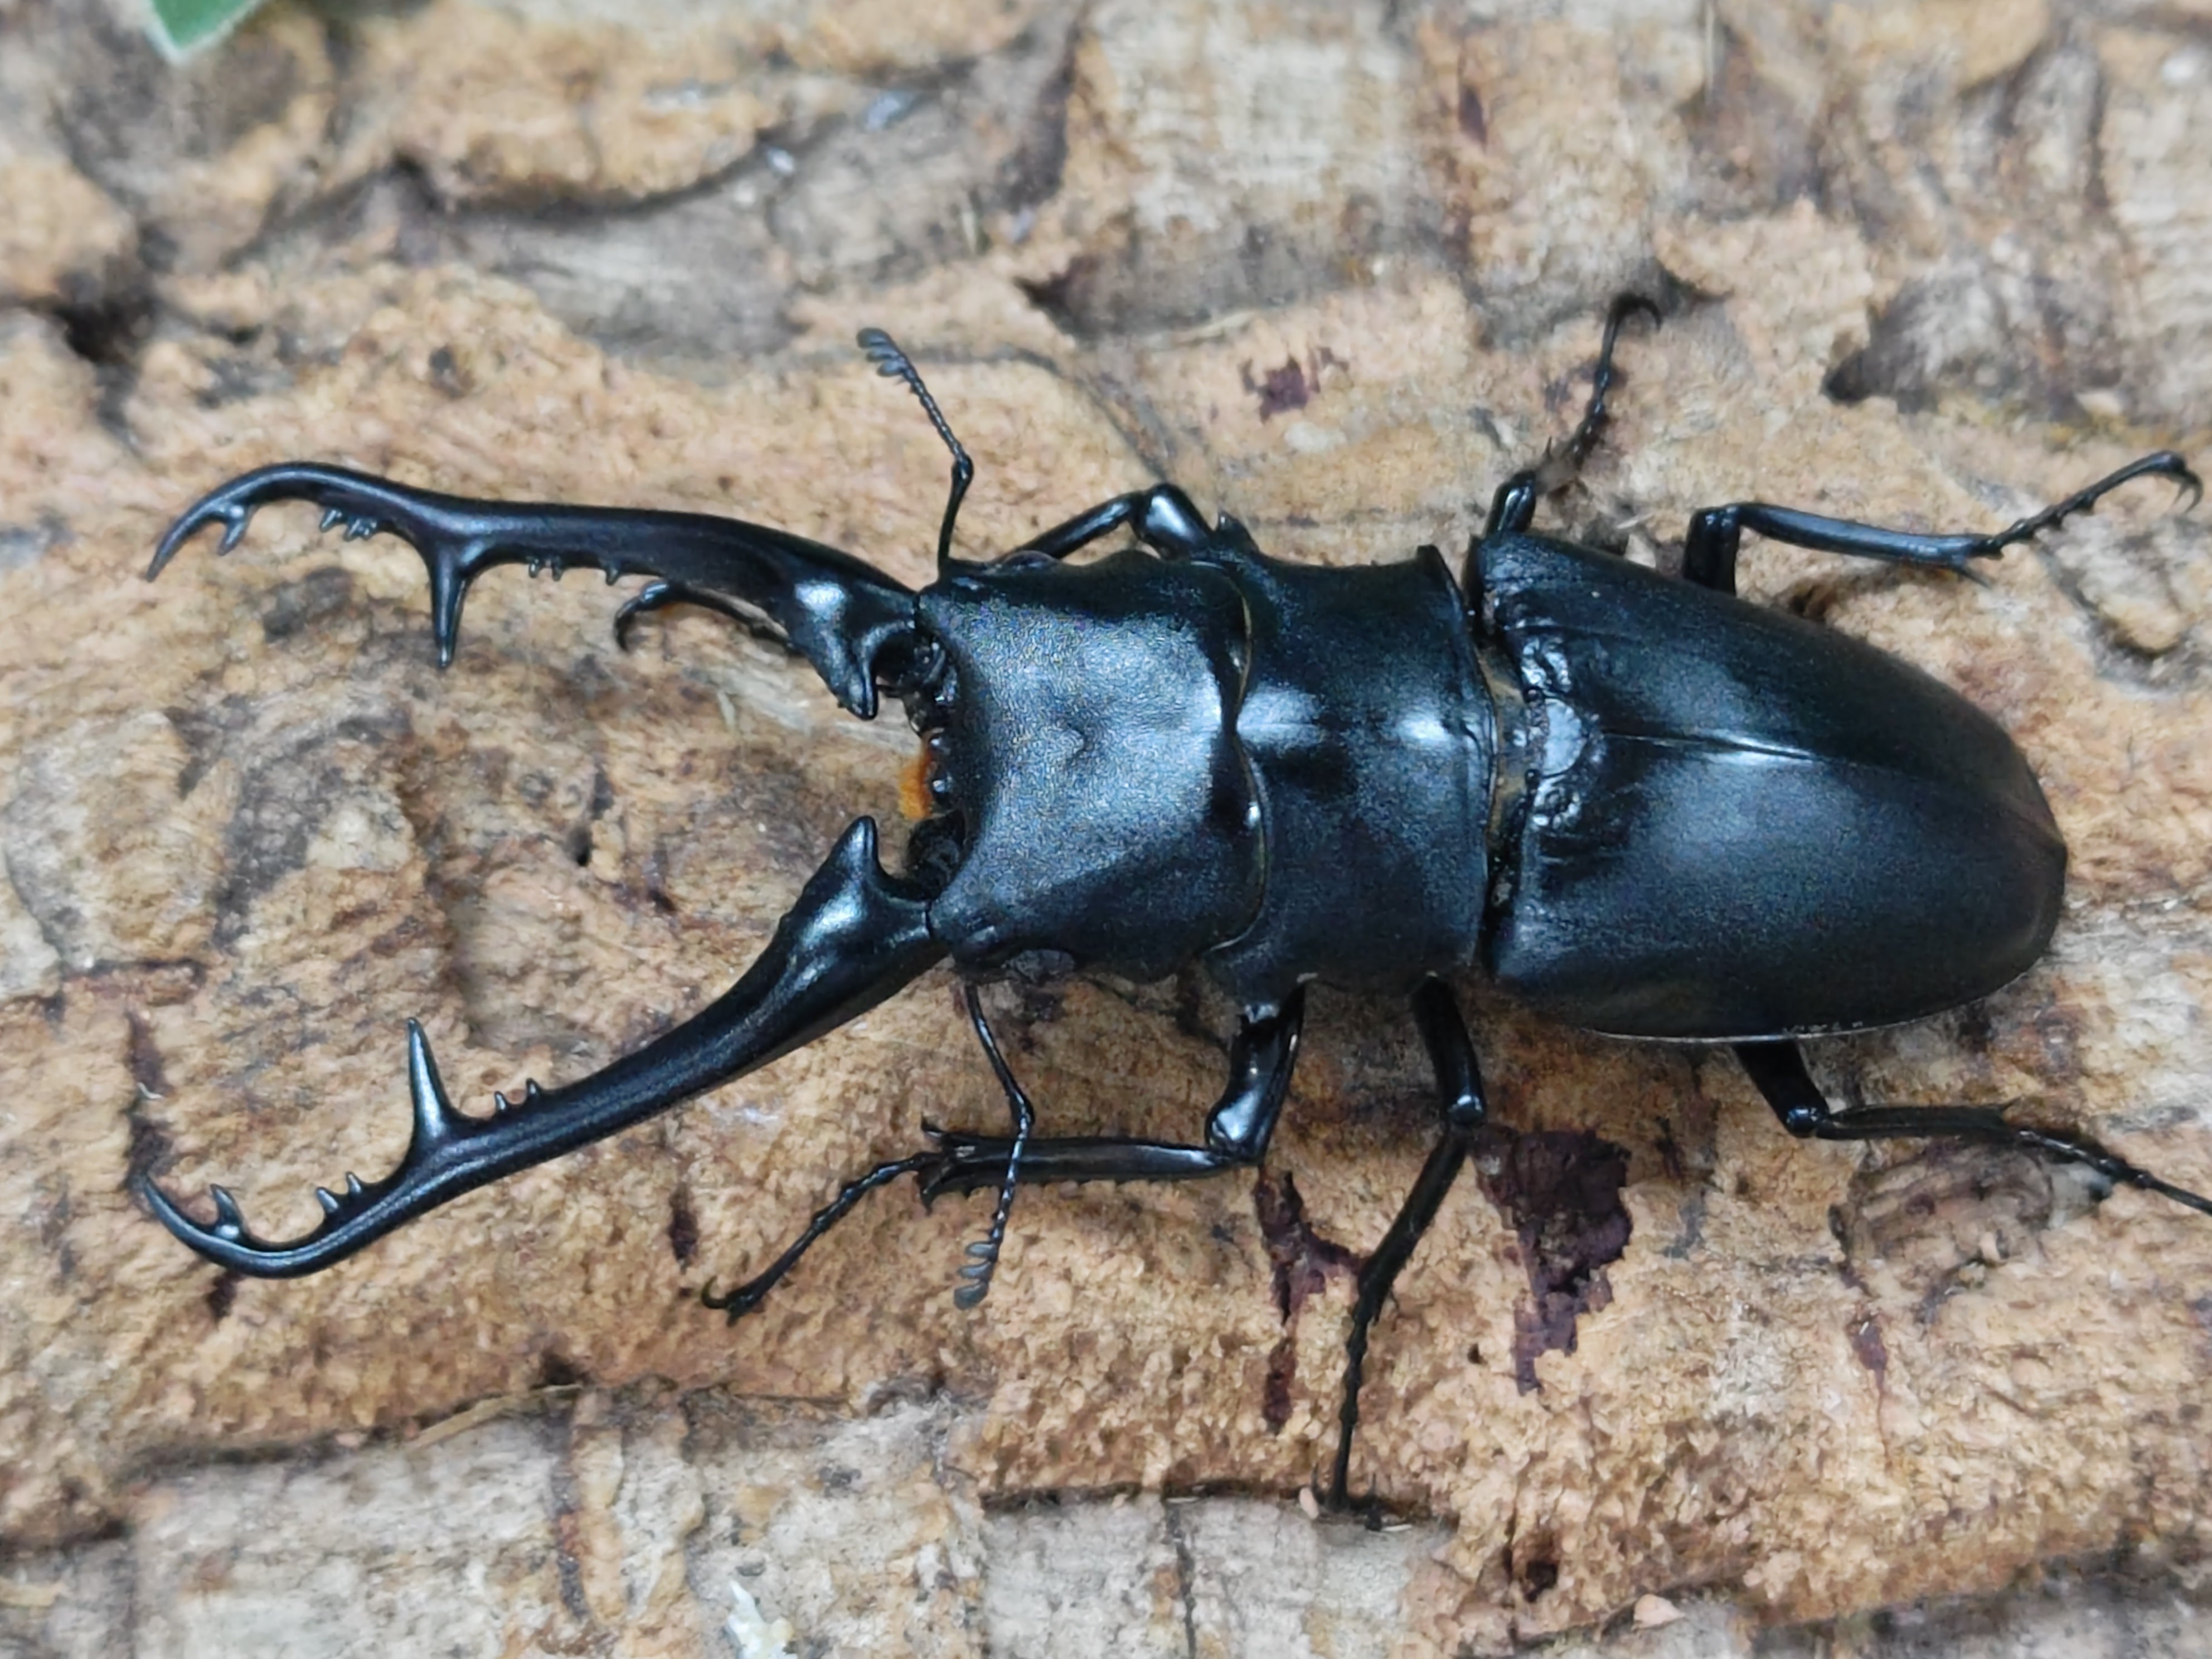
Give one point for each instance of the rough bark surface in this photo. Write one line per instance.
(1336, 269)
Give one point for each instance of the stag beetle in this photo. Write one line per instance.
(1641, 804)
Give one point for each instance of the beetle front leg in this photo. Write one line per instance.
(1458, 1094)
(984, 1253)
(1709, 552)
(1261, 1058)
(1162, 517)
(1779, 1070)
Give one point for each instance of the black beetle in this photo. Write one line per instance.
(1642, 805)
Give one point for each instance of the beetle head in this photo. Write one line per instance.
(1087, 798)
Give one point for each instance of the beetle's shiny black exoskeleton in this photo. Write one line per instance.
(1640, 803)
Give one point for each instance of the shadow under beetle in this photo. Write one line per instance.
(1641, 804)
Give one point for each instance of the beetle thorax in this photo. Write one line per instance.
(1138, 764)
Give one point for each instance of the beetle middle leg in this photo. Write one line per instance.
(1709, 552)
(1778, 1070)
(1261, 1057)
(1459, 1091)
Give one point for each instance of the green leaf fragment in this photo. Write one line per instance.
(183, 27)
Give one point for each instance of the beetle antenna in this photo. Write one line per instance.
(1562, 464)
(893, 363)
(984, 1253)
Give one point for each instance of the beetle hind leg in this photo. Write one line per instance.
(1459, 1089)
(1778, 1070)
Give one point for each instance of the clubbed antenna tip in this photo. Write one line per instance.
(893, 363)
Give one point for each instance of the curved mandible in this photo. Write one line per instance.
(855, 936)
(838, 612)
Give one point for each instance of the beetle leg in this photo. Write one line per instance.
(843, 615)
(1162, 517)
(1261, 1057)
(748, 1295)
(1513, 508)
(659, 596)
(854, 936)
(1779, 1070)
(1459, 1090)
(983, 1254)
(1709, 552)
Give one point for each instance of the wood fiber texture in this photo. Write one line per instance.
(1336, 268)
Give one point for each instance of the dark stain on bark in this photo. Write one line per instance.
(150, 1147)
(556, 1370)
(285, 796)
(1561, 1189)
(1301, 1261)
(445, 373)
(683, 1227)
(106, 326)
(1291, 386)
(1873, 1352)
(1535, 1565)
(1472, 122)
(1279, 390)
(297, 605)
(1031, 176)
(145, 1059)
